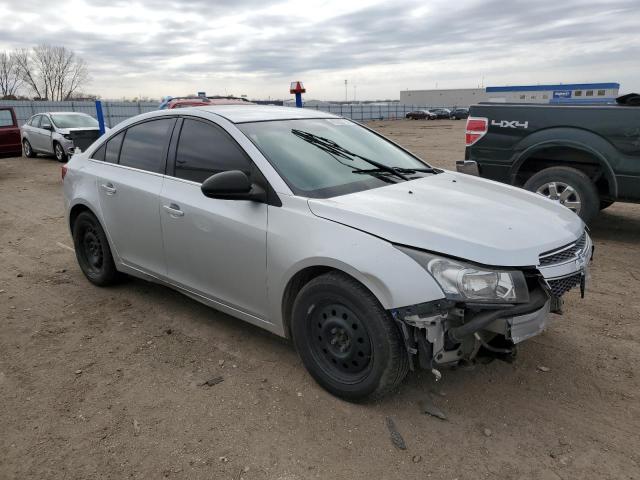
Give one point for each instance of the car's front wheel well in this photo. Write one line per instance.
(557, 156)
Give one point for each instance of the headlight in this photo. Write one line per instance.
(67, 136)
(465, 282)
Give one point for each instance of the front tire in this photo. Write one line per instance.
(92, 251)
(569, 187)
(347, 341)
(59, 153)
(28, 151)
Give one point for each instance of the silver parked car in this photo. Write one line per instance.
(319, 229)
(58, 134)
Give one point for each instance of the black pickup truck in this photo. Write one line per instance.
(583, 156)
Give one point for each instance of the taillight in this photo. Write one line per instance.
(63, 171)
(476, 129)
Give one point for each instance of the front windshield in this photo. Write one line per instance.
(66, 120)
(322, 158)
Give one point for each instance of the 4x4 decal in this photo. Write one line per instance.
(509, 124)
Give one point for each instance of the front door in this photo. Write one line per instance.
(216, 248)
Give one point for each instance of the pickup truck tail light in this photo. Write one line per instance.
(63, 171)
(476, 129)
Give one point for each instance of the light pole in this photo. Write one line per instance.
(345, 91)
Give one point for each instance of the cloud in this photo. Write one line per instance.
(248, 46)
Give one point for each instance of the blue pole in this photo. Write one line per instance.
(299, 100)
(100, 116)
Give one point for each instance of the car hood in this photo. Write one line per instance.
(458, 215)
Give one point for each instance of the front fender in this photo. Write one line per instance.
(297, 239)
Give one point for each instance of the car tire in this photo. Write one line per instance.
(58, 152)
(568, 181)
(93, 251)
(28, 151)
(347, 341)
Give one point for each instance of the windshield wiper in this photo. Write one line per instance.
(401, 170)
(333, 148)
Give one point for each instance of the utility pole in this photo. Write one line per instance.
(345, 91)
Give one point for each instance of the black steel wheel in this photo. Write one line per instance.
(339, 342)
(347, 341)
(92, 250)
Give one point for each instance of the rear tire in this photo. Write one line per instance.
(93, 252)
(28, 151)
(347, 341)
(568, 186)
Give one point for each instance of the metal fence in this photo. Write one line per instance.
(365, 112)
(115, 112)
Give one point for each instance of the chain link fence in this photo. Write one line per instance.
(115, 112)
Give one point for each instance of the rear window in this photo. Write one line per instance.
(144, 145)
(6, 119)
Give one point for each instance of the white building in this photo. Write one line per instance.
(560, 93)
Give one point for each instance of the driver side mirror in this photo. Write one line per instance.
(47, 127)
(233, 185)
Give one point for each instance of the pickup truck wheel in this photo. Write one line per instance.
(58, 151)
(347, 341)
(92, 251)
(569, 187)
(28, 151)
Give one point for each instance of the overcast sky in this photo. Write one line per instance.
(253, 47)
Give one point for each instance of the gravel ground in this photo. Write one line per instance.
(105, 383)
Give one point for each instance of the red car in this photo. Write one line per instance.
(183, 102)
(10, 144)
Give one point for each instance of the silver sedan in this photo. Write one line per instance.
(318, 229)
(58, 134)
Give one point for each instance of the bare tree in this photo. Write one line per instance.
(52, 73)
(10, 79)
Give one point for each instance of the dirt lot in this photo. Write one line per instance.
(103, 383)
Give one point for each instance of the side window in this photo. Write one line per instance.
(99, 153)
(205, 149)
(45, 121)
(6, 119)
(144, 145)
(35, 121)
(589, 93)
(113, 148)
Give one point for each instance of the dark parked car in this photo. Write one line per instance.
(420, 115)
(585, 157)
(9, 133)
(459, 113)
(441, 112)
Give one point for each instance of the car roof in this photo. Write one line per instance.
(261, 113)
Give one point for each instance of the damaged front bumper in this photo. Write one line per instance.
(444, 333)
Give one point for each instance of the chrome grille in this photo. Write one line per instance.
(563, 254)
(562, 285)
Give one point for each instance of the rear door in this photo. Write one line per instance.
(9, 132)
(129, 183)
(216, 248)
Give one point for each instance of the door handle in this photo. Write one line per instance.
(173, 210)
(108, 188)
